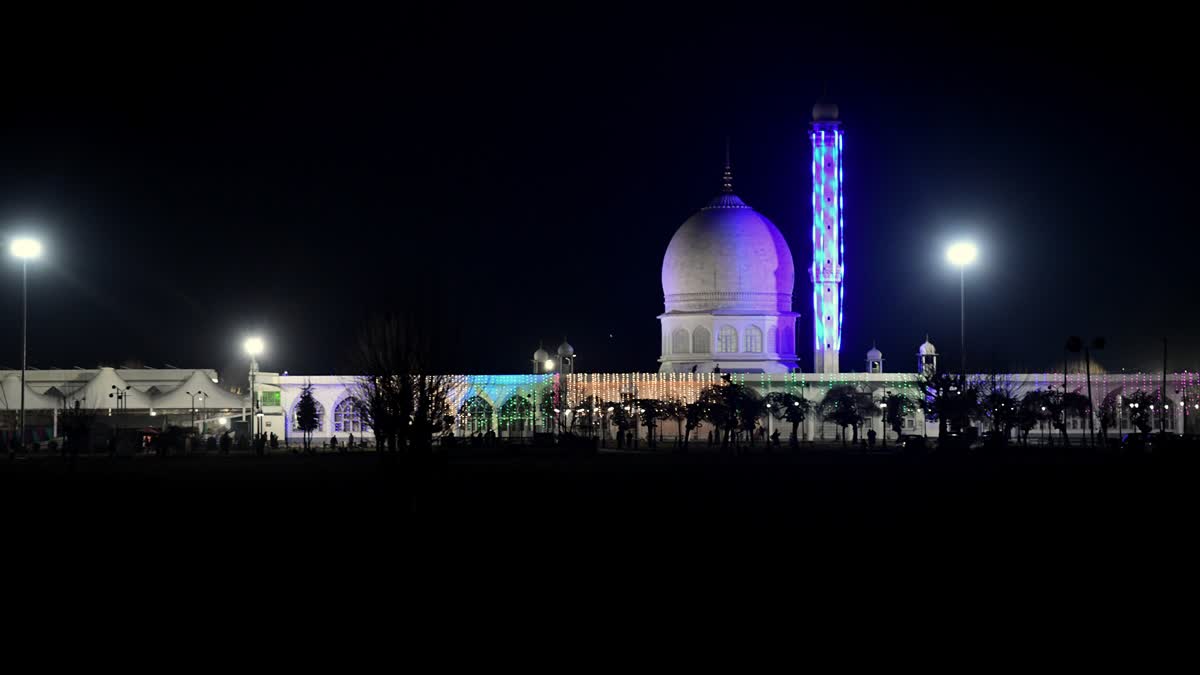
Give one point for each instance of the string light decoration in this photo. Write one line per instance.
(511, 404)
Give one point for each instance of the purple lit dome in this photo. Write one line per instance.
(728, 258)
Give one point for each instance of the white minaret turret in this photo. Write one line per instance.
(828, 269)
(874, 360)
(927, 358)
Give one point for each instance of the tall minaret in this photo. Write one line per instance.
(828, 248)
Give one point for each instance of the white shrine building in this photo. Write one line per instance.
(728, 283)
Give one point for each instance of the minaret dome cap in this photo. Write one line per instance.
(825, 112)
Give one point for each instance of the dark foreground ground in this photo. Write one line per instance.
(1112, 538)
(858, 500)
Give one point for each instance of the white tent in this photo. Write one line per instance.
(215, 398)
(101, 393)
(10, 396)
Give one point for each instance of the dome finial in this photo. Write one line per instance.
(727, 178)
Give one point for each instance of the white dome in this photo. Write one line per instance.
(728, 257)
(874, 354)
(541, 355)
(565, 349)
(926, 349)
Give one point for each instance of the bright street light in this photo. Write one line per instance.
(26, 248)
(253, 346)
(549, 364)
(960, 254)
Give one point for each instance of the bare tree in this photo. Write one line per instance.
(396, 391)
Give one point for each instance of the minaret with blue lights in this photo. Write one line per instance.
(828, 267)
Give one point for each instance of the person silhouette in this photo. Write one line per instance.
(695, 366)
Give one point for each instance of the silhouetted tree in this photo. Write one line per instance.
(649, 412)
(899, 408)
(726, 407)
(693, 416)
(620, 413)
(398, 393)
(841, 406)
(1146, 409)
(306, 414)
(588, 414)
(674, 409)
(1060, 406)
(790, 408)
(1108, 412)
(949, 399)
(1032, 411)
(1001, 409)
(750, 411)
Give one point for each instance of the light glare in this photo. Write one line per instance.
(253, 346)
(26, 248)
(962, 253)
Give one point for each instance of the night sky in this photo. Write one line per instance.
(198, 177)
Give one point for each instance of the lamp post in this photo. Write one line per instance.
(199, 394)
(960, 255)
(122, 398)
(121, 395)
(25, 249)
(883, 422)
(253, 346)
(770, 427)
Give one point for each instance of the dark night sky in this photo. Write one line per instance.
(200, 176)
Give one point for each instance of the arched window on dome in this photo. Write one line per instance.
(727, 340)
(680, 341)
(753, 340)
(701, 341)
(773, 339)
(320, 416)
(346, 417)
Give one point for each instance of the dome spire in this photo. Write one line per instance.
(727, 178)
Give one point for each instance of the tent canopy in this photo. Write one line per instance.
(101, 392)
(214, 397)
(10, 396)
